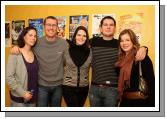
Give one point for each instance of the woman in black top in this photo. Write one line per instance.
(128, 82)
(77, 60)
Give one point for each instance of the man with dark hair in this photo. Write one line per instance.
(103, 91)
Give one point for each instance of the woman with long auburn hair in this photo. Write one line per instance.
(128, 82)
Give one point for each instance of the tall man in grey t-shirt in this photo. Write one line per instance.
(49, 51)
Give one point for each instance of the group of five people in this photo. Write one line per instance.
(40, 72)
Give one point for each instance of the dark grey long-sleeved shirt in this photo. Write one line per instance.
(104, 56)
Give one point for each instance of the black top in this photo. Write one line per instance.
(79, 54)
(104, 56)
(148, 74)
(32, 70)
(100, 42)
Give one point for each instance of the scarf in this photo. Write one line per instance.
(125, 65)
(79, 54)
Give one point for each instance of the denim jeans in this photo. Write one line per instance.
(49, 96)
(103, 96)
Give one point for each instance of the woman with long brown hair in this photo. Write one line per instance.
(128, 82)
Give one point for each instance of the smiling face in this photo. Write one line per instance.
(126, 43)
(80, 37)
(30, 38)
(50, 28)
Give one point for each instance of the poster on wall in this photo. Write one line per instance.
(75, 21)
(38, 24)
(96, 18)
(17, 27)
(133, 22)
(7, 34)
(61, 25)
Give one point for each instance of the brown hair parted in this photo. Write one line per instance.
(86, 44)
(133, 39)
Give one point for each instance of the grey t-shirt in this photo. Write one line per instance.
(50, 59)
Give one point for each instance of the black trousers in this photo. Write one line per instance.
(75, 96)
(137, 103)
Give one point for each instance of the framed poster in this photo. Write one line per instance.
(75, 21)
(61, 25)
(38, 24)
(7, 34)
(17, 27)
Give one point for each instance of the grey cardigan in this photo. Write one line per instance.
(16, 75)
(71, 72)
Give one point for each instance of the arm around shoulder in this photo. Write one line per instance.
(15, 50)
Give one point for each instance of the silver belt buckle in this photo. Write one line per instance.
(100, 85)
(108, 82)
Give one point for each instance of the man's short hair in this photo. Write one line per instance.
(50, 17)
(107, 17)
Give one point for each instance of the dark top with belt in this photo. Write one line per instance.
(104, 56)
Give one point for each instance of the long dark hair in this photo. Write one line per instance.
(21, 42)
(86, 44)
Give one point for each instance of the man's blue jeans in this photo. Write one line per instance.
(49, 96)
(103, 96)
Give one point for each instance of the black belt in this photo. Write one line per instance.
(104, 85)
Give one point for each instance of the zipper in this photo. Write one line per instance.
(78, 76)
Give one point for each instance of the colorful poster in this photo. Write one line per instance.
(38, 24)
(96, 18)
(75, 21)
(133, 22)
(61, 25)
(17, 27)
(7, 34)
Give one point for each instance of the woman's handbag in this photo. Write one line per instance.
(143, 85)
(143, 88)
